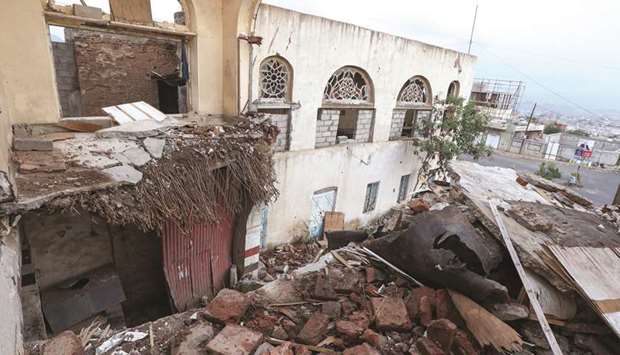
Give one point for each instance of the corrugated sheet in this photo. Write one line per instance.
(596, 273)
(196, 264)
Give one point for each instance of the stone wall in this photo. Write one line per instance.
(115, 69)
(364, 126)
(327, 128)
(398, 120)
(66, 77)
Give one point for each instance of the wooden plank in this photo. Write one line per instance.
(79, 126)
(333, 221)
(118, 115)
(595, 273)
(485, 327)
(134, 112)
(133, 11)
(151, 111)
(531, 293)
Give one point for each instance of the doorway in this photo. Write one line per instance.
(322, 201)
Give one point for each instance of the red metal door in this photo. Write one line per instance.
(196, 264)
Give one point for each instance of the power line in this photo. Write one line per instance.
(583, 108)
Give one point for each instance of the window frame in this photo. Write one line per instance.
(370, 201)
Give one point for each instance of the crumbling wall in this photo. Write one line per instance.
(11, 338)
(66, 77)
(65, 246)
(280, 120)
(115, 69)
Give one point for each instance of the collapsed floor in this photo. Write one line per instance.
(433, 277)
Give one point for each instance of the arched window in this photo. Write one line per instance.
(453, 89)
(275, 80)
(415, 92)
(349, 85)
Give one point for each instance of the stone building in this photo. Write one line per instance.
(348, 101)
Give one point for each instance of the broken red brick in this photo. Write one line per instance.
(373, 338)
(390, 314)
(314, 330)
(462, 345)
(332, 309)
(522, 181)
(284, 349)
(428, 347)
(349, 329)
(323, 289)
(301, 350)
(363, 349)
(442, 332)
(360, 318)
(419, 205)
(228, 305)
(413, 301)
(445, 309)
(374, 274)
(234, 339)
(425, 311)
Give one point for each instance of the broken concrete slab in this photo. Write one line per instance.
(235, 339)
(228, 305)
(136, 157)
(124, 173)
(277, 291)
(139, 129)
(155, 146)
(32, 143)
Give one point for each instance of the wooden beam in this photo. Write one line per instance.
(553, 343)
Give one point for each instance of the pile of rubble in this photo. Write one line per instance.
(434, 277)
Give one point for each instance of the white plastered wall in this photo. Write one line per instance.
(316, 47)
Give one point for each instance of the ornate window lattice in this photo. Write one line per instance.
(415, 92)
(274, 79)
(347, 85)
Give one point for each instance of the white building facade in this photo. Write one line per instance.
(347, 100)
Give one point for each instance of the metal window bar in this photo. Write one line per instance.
(372, 191)
(404, 186)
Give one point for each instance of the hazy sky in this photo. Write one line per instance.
(569, 47)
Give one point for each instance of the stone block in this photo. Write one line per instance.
(390, 314)
(314, 330)
(32, 143)
(235, 339)
(228, 305)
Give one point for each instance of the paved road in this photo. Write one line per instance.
(599, 185)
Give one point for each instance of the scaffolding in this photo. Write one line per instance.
(498, 97)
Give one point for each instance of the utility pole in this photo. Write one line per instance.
(473, 27)
(527, 128)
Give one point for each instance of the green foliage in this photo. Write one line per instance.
(549, 171)
(551, 129)
(579, 132)
(455, 129)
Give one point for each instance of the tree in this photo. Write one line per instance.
(579, 132)
(455, 129)
(552, 128)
